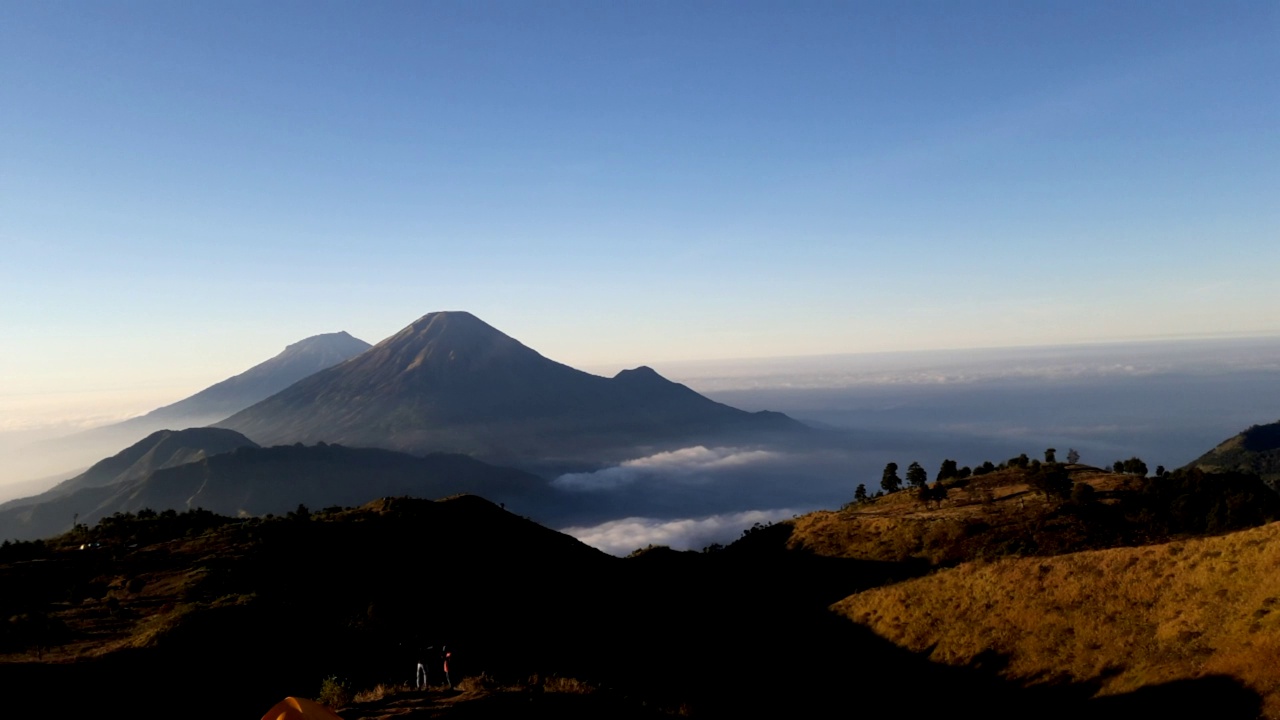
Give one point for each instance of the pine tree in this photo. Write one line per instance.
(916, 476)
(948, 470)
(890, 482)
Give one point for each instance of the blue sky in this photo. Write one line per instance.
(185, 188)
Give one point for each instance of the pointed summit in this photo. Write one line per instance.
(451, 382)
(443, 344)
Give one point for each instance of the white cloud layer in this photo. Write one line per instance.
(687, 463)
(619, 537)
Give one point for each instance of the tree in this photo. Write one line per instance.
(932, 494)
(916, 476)
(1052, 480)
(1050, 455)
(860, 495)
(1083, 494)
(1135, 466)
(889, 481)
(948, 470)
(1073, 457)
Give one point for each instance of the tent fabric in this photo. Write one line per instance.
(292, 708)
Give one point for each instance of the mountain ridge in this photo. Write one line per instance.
(1255, 450)
(249, 480)
(207, 406)
(451, 382)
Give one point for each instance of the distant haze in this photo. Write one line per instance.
(1166, 402)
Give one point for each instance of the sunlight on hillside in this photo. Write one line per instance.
(1125, 617)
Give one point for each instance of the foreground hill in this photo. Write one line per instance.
(1119, 619)
(1012, 511)
(258, 609)
(1256, 450)
(450, 382)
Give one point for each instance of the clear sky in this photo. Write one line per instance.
(187, 187)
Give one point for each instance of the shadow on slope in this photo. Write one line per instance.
(746, 632)
(268, 609)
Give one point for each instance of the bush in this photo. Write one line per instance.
(380, 691)
(473, 683)
(568, 686)
(334, 692)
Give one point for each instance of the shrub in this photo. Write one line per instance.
(334, 692)
(568, 686)
(378, 692)
(472, 683)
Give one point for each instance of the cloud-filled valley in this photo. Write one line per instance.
(619, 537)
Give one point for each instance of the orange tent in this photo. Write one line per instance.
(292, 708)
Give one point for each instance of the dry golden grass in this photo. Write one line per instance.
(380, 691)
(1126, 617)
(898, 527)
(543, 683)
(567, 686)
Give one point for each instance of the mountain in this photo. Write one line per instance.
(53, 510)
(249, 480)
(161, 449)
(263, 380)
(1256, 450)
(214, 403)
(450, 382)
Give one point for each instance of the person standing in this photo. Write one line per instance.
(447, 655)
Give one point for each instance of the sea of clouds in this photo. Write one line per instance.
(620, 537)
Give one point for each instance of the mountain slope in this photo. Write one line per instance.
(85, 495)
(263, 380)
(214, 403)
(1122, 618)
(250, 480)
(161, 449)
(1256, 450)
(450, 382)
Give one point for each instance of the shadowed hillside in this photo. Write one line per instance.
(89, 495)
(260, 609)
(1256, 450)
(249, 480)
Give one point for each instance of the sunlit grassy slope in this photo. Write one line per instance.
(990, 516)
(1124, 617)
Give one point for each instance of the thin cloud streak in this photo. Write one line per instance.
(619, 537)
(690, 463)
